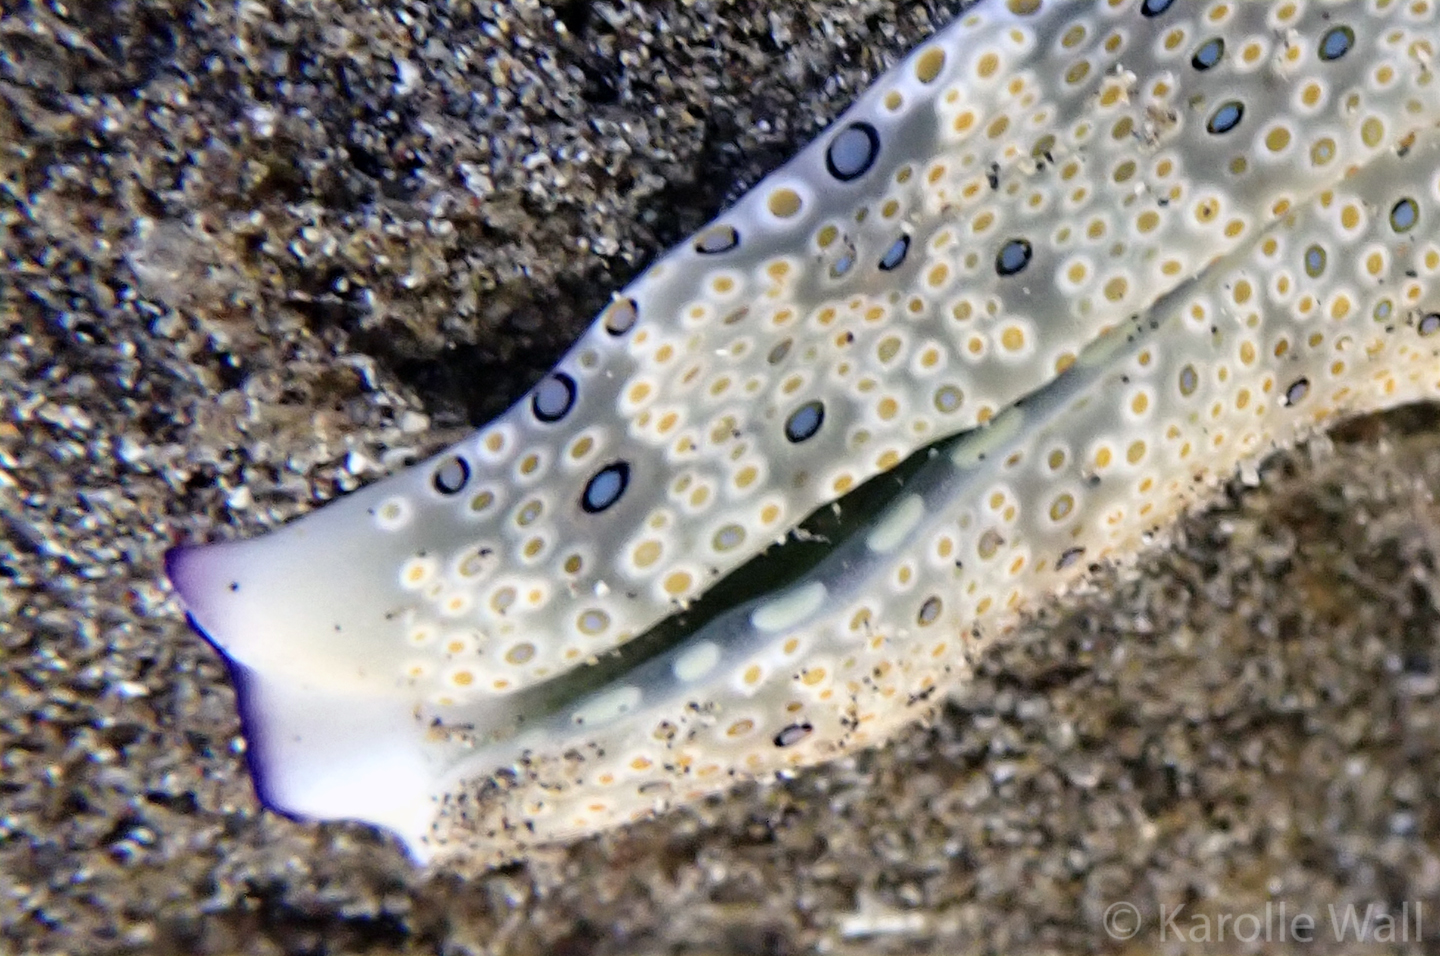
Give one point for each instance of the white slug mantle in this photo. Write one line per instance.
(1137, 242)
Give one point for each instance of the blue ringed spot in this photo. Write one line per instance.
(553, 398)
(605, 487)
(895, 254)
(717, 239)
(793, 735)
(1209, 53)
(1013, 256)
(1296, 392)
(1314, 261)
(852, 152)
(804, 422)
(1189, 381)
(620, 316)
(1226, 118)
(1153, 8)
(1336, 43)
(452, 474)
(1404, 214)
(948, 399)
(1430, 324)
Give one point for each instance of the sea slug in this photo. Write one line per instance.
(1114, 248)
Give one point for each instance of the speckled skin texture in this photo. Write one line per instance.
(1049, 170)
(1251, 716)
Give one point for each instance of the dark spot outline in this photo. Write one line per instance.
(733, 243)
(634, 315)
(1413, 222)
(1025, 246)
(1195, 61)
(1239, 108)
(1302, 383)
(1341, 30)
(819, 422)
(803, 730)
(904, 244)
(571, 391)
(871, 134)
(464, 476)
(622, 468)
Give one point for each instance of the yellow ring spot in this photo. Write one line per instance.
(929, 64)
(647, 553)
(1061, 507)
(784, 203)
(740, 728)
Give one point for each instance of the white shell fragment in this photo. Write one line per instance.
(1121, 246)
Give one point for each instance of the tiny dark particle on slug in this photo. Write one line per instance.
(921, 697)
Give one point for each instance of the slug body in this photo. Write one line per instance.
(1116, 248)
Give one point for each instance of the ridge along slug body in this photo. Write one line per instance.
(1039, 181)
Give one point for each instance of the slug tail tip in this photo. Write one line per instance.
(318, 746)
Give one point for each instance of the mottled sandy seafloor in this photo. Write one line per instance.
(256, 252)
